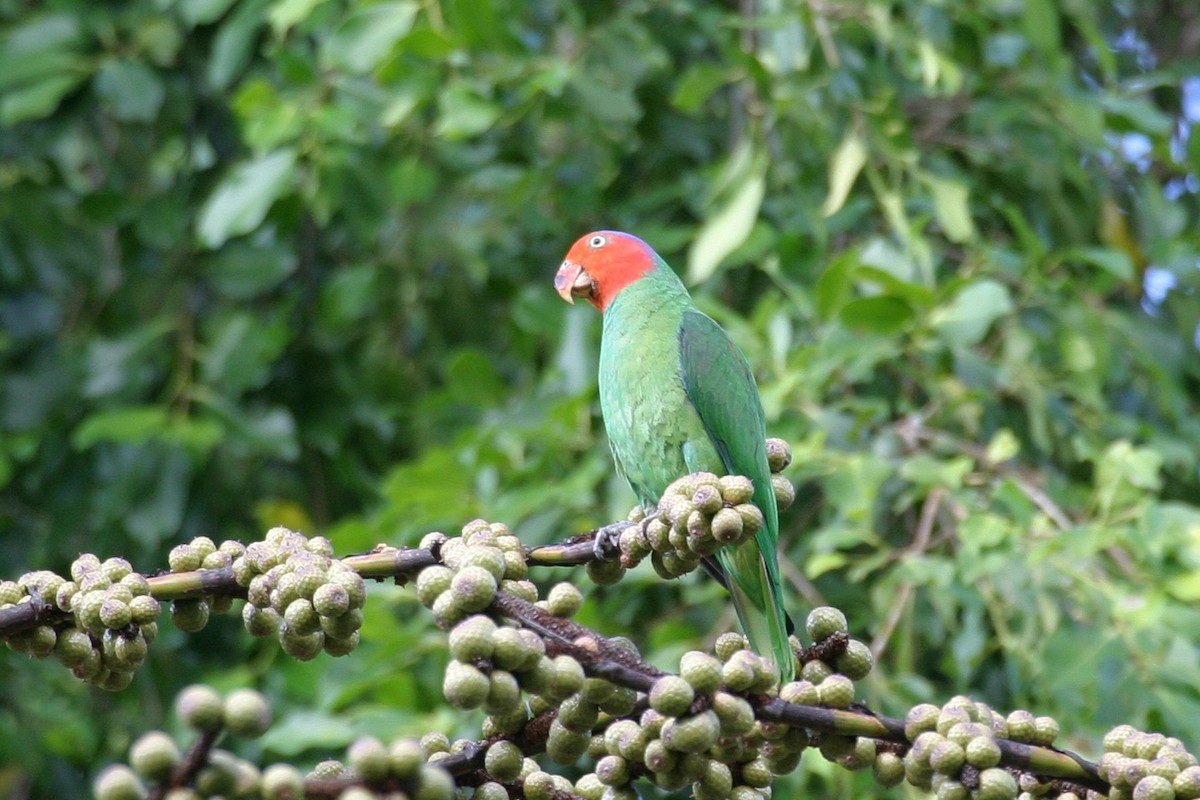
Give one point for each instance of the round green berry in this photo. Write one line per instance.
(888, 769)
(694, 734)
(1154, 787)
(836, 691)
(503, 761)
(282, 782)
(1187, 783)
(779, 454)
(465, 686)
(369, 758)
(474, 588)
(200, 707)
(701, 671)
(564, 600)
(472, 639)
(997, 784)
(671, 696)
(856, 662)
(190, 615)
(247, 713)
(118, 782)
(983, 752)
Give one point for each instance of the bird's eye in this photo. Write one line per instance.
(597, 241)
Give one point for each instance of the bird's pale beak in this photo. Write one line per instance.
(572, 281)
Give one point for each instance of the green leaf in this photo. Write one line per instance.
(697, 85)
(1115, 262)
(240, 202)
(844, 166)
(125, 424)
(366, 37)
(234, 44)
(882, 314)
(950, 204)
(967, 317)
(463, 113)
(285, 14)
(730, 225)
(131, 90)
(37, 100)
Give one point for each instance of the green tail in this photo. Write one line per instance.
(758, 599)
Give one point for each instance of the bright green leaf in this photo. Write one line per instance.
(970, 313)
(728, 227)
(367, 36)
(241, 201)
(844, 165)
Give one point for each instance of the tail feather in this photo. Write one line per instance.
(758, 600)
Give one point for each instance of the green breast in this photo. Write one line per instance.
(655, 433)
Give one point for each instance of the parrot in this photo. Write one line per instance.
(677, 396)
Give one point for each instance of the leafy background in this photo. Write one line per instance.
(288, 262)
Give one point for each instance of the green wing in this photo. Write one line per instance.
(721, 387)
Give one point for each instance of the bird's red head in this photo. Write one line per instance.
(598, 266)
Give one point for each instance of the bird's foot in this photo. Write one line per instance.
(607, 544)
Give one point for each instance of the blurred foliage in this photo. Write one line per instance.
(288, 262)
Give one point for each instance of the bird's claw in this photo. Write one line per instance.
(607, 542)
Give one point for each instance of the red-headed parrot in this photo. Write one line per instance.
(679, 397)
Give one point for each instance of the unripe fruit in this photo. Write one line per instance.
(612, 770)
(752, 519)
(1046, 730)
(1022, 726)
(118, 782)
(825, 621)
(331, 600)
(472, 638)
(260, 621)
(369, 758)
(200, 707)
(184, 558)
(405, 757)
(671, 696)
(144, 608)
(504, 695)
(577, 714)
(431, 582)
(489, 558)
(701, 671)
(815, 672)
(1153, 787)
(154, 756)
(282, 782)
(727, 526)
(888, 769)
(1187, 783)
(302, 647)
(115, 613)
(947, 757)
(856, 662)
(503, 761)
(694, 734)
(728, 644)
(983, 752)
(564, 746)
(920, 718)
(189, 615)
(785, 492)
(605, 573)
(836, 691)
(779, 454)
(247, 713)
(996, 784)
(465, 686)
(801, 692)
(301, 617)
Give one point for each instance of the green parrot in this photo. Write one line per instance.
(678, 397)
